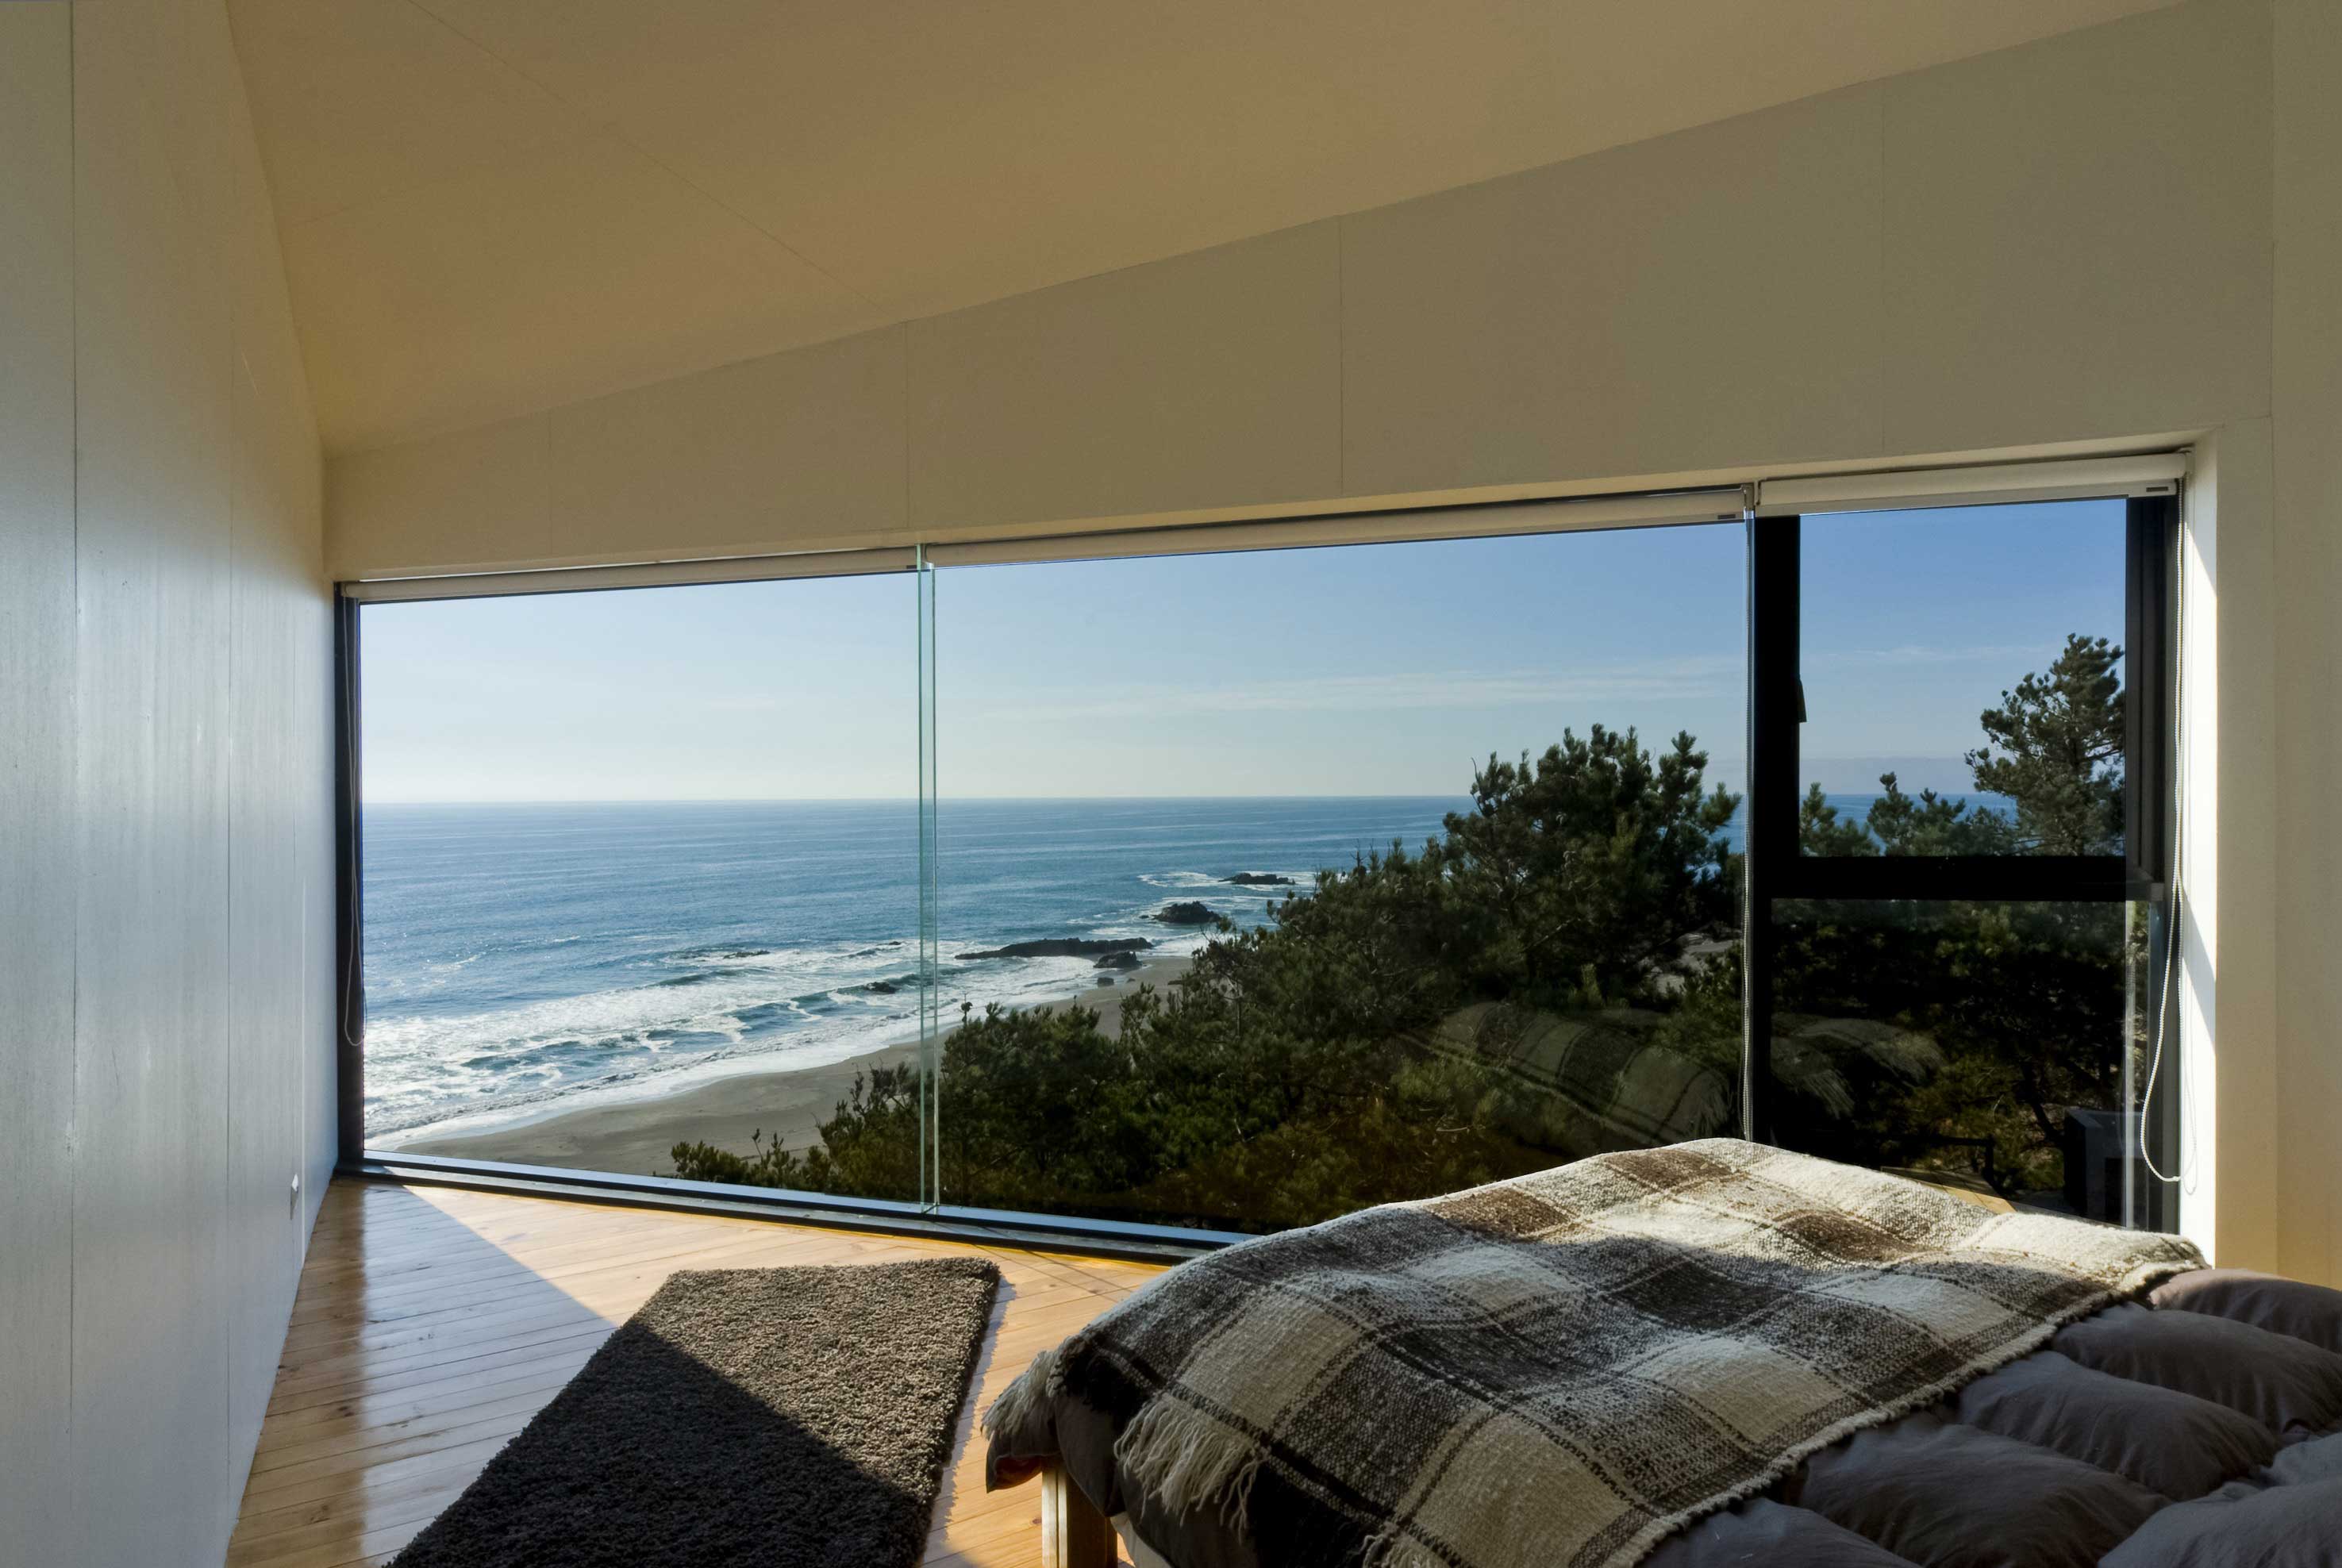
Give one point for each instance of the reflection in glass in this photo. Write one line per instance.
(1962, 674)
(1997, 1047)
(1243, 936)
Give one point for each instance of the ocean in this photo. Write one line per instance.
(518, 957)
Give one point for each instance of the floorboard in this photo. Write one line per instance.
(432, 1324)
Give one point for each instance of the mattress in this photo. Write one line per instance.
(2199, 1427)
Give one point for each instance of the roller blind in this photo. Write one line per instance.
(1283, 533)
(1360, 529)
(648, 574)
(2157, 473)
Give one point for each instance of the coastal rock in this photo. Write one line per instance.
(1064, 947)
(1117, 960)
(882, 987)
(1258, 879)
(1187, 912)
(1107, 980)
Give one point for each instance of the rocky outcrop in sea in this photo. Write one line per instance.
(1064, 947)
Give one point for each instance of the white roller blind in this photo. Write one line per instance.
(649, 574)
(1360, 529)
(1283, 533)
(2157, 473)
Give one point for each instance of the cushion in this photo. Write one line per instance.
(2319, 1459)
(2285, 1306)
(2243, 1526)
(1916, 1487)
(2170, 1443)
(2279, 1381)
(1768, 1532)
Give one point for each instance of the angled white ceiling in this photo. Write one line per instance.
(491, 206)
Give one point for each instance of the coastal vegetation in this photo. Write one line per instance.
(1558, 972)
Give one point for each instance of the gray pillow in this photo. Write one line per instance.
(2243, 1526)
(1946, 1495)
(1764, 1532)
(2305, 1311)
(2171, 1443)
(2290, 1386)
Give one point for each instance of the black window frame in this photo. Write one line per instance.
(1775, 871)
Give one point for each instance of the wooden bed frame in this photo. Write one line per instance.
(1074, 1533)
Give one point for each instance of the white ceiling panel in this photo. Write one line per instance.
(578, 269)
(493, 206)
(356, 101)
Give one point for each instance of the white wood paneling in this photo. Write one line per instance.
(37, 710)
(154, 349)
(279, 830)
(164, 829)
(2308, 434)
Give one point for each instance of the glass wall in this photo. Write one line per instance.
(1960, 902)
(1240, 891)
(1962, 680)
(1994, 1046)
(1281, 884)
(641, 879)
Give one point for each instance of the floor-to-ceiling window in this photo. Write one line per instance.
(1241, 888)
(1278, 885)
(641, 874)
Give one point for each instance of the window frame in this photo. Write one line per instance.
(1776, 872)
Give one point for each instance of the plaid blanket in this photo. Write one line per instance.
(1564, 1368)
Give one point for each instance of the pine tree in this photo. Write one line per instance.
(2054, 746)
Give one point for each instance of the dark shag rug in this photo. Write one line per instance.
(788, 1418)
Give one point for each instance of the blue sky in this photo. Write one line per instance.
(1370, 670)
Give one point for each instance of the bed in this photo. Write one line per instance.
(1718, 1353)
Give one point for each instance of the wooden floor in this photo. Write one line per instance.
(432, 1324)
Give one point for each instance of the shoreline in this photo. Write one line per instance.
(634, 1136)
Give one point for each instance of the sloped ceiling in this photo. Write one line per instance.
(492, 206)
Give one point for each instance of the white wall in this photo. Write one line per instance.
(164, 786)
(2068, 245)
(2228, 1163)
(2061, 243)
(2307, 1125)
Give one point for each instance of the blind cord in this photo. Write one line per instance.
(2167, 998)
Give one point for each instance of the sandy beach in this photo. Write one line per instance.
(634, 1136)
